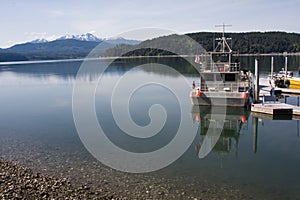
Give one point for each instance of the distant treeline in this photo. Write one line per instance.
(4, 57)
(243, 43)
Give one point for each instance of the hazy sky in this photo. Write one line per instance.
(22, 21)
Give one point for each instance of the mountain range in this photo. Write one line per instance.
(65, 47)
(80, 46)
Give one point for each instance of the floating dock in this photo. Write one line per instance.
(289, 91)
(266, 104)
(272, 110)
(265, 90)
(268, 107)
(275, 110)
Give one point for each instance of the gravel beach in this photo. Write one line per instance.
(19, 182)
(32, 169)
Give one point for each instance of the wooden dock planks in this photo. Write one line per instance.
(290, 91)
(272, 108)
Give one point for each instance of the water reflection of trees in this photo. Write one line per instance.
(68, 70)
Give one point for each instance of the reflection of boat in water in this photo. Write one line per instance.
(222, 82)
(219, 126)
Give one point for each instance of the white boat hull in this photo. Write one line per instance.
(220, 99)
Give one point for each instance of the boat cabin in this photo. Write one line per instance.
(222, 76)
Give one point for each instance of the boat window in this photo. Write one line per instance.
(219, 77)
(229, 77)
(208, 77)
(220, 58)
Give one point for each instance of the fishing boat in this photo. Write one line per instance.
(222, 82)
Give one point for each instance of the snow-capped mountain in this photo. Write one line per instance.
(65, 47)
(88, 37)
(92, 38)
(39, 41)
(83, 37)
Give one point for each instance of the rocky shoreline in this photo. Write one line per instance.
(18, 182)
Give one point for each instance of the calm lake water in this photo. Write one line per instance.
(38, 130)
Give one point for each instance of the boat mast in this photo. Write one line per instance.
(223, 44)
(223, 40)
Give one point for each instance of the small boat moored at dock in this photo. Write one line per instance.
(285, 79)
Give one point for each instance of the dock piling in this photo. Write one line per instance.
(256, 86)
(272, 66)
(286, 65)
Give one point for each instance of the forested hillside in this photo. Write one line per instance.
(252, 42)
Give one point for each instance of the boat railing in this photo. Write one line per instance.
(221, 67)
(219, 94)
(218, 86)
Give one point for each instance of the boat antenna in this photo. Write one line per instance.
(223, 40)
